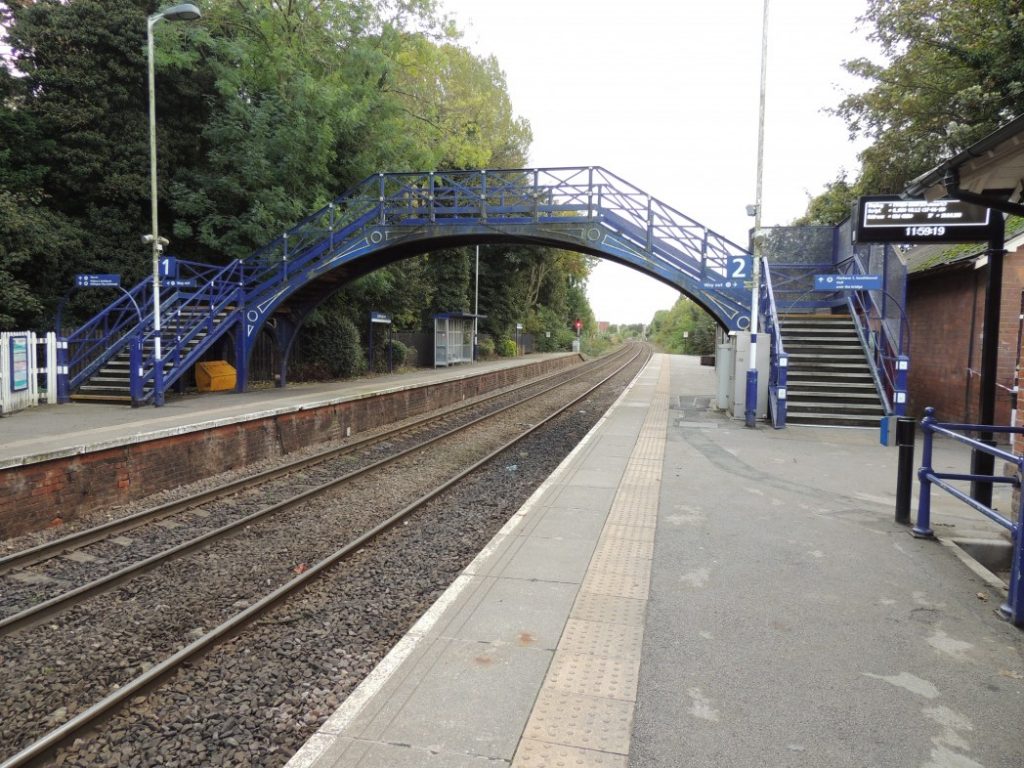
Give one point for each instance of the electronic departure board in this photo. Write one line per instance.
(889, 219)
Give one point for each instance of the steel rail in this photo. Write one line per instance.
(46, 609)
(71, 542)
(45, 745)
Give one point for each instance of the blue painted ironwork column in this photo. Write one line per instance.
(781, 381)
(923, 528)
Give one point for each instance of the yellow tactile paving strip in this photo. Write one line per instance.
(584, 713)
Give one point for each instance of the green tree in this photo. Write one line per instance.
(833, 206)
(951, 75)
(685, 329)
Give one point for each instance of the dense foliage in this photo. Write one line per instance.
(685, 329)
(951, 73)
(266, 111)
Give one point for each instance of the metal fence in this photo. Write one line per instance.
(1013, 608)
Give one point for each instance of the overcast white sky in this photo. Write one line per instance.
(664, 93)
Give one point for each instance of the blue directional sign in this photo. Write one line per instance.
(847, 282)
(190, 283)
(97, 281)
(380, 317)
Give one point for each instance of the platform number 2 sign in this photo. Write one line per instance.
(739, 267)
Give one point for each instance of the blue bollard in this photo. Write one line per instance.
(923, 529)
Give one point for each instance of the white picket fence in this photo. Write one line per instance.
(23, 381)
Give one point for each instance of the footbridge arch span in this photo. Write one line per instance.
(391, 216)
(385, 218)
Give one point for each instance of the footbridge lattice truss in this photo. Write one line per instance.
(391, 216)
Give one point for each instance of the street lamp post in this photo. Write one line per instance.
(184, 12)
(750, 412)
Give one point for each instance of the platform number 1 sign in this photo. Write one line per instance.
(168, 268)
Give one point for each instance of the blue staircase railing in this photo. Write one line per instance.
(886, 340)
(788, 286)
(91, 345)
(193, 318)
(1013, 608)
(779, 366)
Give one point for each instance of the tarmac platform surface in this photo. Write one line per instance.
(687, 592)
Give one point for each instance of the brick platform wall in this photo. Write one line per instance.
(48, 493)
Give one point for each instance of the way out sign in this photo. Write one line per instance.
(738, 272)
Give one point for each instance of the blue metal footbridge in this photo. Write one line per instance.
(385, 218)
(392, 216)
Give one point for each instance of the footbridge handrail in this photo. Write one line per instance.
(491, 197)
(190, 318)
(886, 348)
(90, 345)
(779, 366)
(1013, 608)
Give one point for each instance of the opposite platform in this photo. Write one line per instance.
(53, 431)
(684, 591)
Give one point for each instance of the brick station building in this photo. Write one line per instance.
(946, 294)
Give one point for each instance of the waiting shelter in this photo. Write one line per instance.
(453, 338)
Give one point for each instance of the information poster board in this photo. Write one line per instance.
(19, 363)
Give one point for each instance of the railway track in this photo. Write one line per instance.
(35, 580)
(147, 605)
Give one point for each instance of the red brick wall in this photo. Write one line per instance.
(45, 493)
(946, 313)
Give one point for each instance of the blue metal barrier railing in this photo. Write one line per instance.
(778, 372)
(1013, 608)
(886, 339)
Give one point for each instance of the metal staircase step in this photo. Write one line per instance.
(829, 380)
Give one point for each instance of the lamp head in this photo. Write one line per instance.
(183, 12)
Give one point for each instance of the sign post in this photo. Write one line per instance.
(379, 318)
